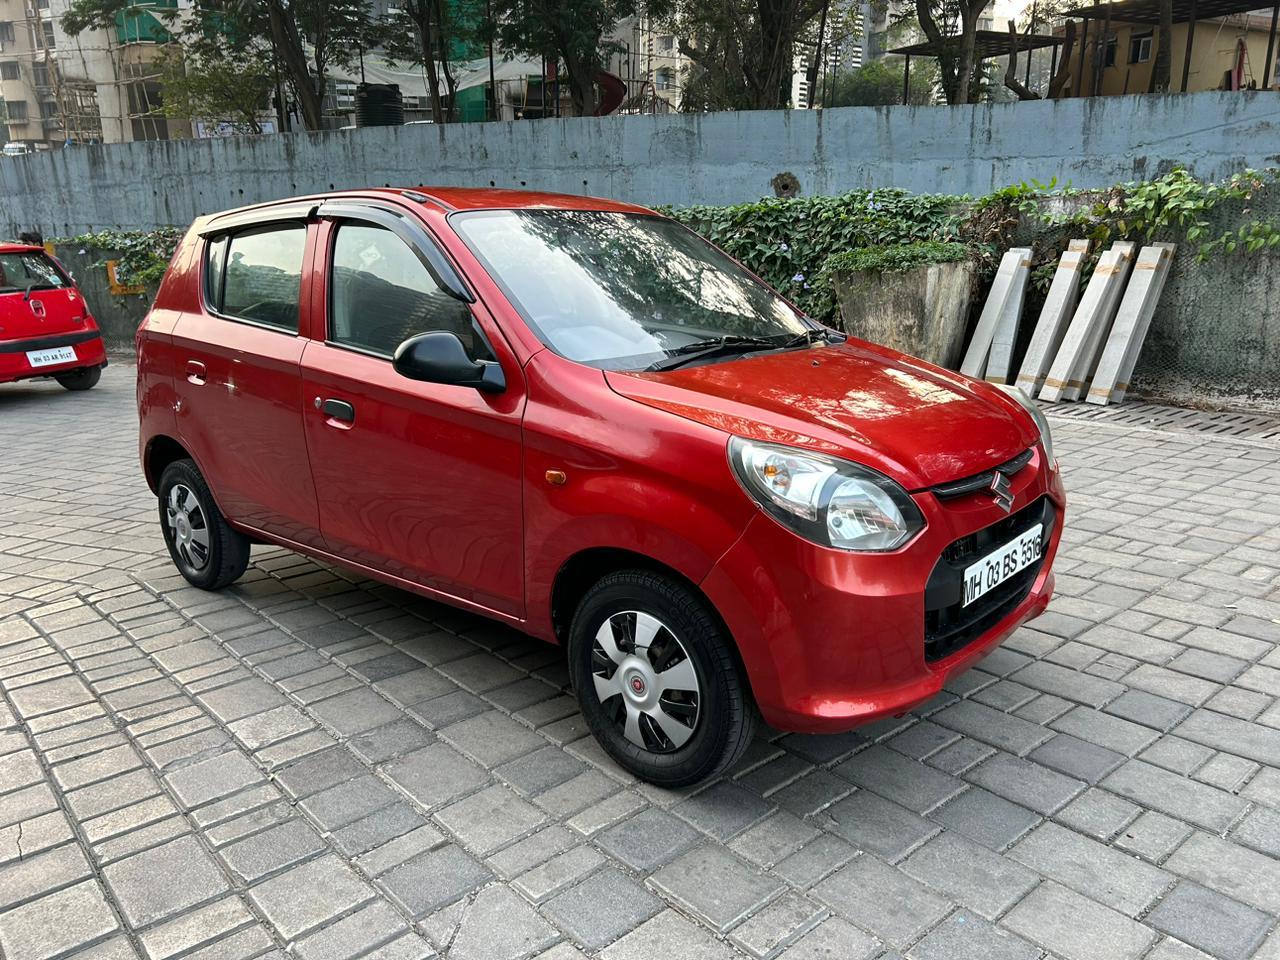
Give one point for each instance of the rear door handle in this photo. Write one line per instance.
(338, 410)
(195, 372)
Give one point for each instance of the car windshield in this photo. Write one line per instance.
(627, 291)
(29, 270)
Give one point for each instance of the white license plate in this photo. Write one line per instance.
(47, 358)
(998, 566)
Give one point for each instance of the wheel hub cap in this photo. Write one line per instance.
(646, 681)
(188, 528)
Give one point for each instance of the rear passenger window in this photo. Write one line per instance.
(381, 295)
(260, 274)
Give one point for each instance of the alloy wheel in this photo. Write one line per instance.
(188, 526)
(646, 681)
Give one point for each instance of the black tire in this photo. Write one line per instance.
(226, 554)
(83, 379)
(725, 718)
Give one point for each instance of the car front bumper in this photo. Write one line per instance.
(14, 365)
(832, 640)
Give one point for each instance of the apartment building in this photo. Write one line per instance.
(99, 87)
(649, 62)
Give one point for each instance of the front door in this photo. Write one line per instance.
(419, 480)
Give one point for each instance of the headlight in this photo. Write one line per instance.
(830, 502)
(1042, 422)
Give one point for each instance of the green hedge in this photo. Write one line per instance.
(896, 257)
(788, 241)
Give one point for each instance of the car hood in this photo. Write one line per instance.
(917, 423)
(47, 313)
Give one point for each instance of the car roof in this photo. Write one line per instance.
(9, 247)
(460, 198)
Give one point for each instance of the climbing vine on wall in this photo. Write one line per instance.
(142, 255)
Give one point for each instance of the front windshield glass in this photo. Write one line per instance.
(28, 270)
(625, 291)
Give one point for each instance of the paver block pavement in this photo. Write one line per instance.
(310, 764)
(715, 886)
(164, 880)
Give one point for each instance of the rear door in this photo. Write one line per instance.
(419, 480)
(238, 378)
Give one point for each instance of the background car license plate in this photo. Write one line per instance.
(997, 567)
(46, 358)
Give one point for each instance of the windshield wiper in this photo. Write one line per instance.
(37, 285)
(814, 335)
(689, 352)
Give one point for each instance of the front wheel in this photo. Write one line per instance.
(83, 379)
(658, 679)
(204, 547)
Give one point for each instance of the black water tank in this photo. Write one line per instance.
(379, 105)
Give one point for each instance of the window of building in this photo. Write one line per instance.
(6, 31)
(49, 109)
(381, 295)
(664, 78)
(666, 43)
(1109, 53)
(1140, 47)
(17, 110)
(257, 275)
(40, 73)
(49, 40)
(9, 70)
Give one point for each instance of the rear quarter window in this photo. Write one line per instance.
(256, 275)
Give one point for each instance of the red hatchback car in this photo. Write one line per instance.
(45, 326)
(579, 418)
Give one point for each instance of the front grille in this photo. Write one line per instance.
(948, 626)
(980, 481)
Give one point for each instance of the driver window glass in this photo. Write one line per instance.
(263, 274)
(381, 295)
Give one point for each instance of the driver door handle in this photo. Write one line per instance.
(195, 372)
(337, 410)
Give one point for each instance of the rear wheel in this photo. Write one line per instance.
(204, 548)
(82, 379)
(658, 679)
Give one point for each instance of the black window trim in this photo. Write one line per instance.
(224, 236)
(409, 233)
(422, 244)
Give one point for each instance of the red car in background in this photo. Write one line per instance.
(46, 329)
(581, 419)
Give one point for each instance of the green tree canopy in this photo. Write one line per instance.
(570, 32)
(879, 83)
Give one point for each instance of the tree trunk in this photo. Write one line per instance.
(1011, 73)
(1060, 79)
(420, 13)
(1162, 69)
(969, 15)
(284, 32)
(946, 61)
(451, 85)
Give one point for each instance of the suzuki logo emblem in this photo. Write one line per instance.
(37, 308)
(1002, 491)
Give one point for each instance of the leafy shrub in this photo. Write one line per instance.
(897, 257)
(142, 255)
(787, 241)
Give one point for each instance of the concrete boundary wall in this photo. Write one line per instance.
(675, 159)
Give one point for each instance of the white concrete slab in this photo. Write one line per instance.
(1133, 319)
(975, 359)
(1059, 304)
(1087, 359)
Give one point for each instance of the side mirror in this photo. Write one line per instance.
(440, 357)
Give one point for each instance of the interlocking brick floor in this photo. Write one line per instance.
(316, 766)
